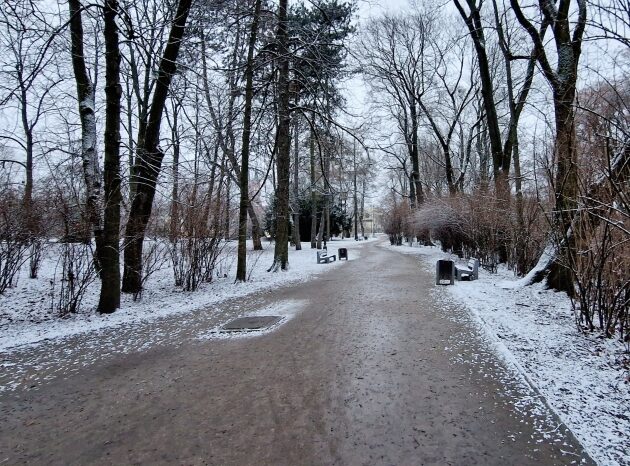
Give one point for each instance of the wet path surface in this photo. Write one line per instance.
(369, 367)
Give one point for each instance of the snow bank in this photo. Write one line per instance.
(26, 317)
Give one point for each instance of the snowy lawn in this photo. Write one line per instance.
(27, 317)
(584, 378)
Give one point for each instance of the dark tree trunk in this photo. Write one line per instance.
(418, 197)
(558, 269)
(149, 157)
(355, 203)
(110, 258)
(560, 275)
(511, 146)
(296, 180)
(27, 201)
(313, 196)
(174, 226)
(256, 229)
(283, 158)
(241, 267)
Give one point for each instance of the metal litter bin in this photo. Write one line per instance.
(342, 253)
(445, 270)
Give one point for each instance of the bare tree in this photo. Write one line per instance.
(500, 160)
(563, 79)
(87, 114)
(241, 268)
(26, 39)
(149, 156)
(283, 137)
(109, 299)
(392, 55)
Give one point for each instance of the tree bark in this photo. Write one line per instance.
(563, 83)
(89, 157)
(29, 145)
(296, 180)
(283, 158)
(149, 156)
(109, 299)
(511, 145)
(313, 195)
(418, 199)
(174, 227)
(241, 266)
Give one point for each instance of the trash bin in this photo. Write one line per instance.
(445, 270)
(342, 253)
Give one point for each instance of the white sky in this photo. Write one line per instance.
(355, 89)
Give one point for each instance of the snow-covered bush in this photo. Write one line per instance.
(13, 253)
(193, 259)
(600, 259)
(396, 220)
(196, 242)
(483, 226)
(155, 254)
(74, 274)
(13, 245)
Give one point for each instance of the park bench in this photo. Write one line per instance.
(324, 258)
(467, 272)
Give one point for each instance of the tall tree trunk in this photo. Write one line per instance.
(560, 275)
(208, 201)
(29, 144)
(482, 151)
(418, 198)
(511, 145)
(219, 204)
(174, 226)
(362, 209)
(312, 187)
(256, 229)
(328, 195)
(251, 212)
(227, 218)
(149, 157)
(296, 180)
(354, 192)
(85, 96)
(241, 267)
(109, 299)
(558, 269)
(283, 158)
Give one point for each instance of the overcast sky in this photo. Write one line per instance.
(355, 89)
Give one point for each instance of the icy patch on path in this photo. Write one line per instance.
(533, 330)
(287, 310)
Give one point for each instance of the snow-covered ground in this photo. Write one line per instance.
(27, 317)
(583, 378)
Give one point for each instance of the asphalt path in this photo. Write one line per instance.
(370, 366)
